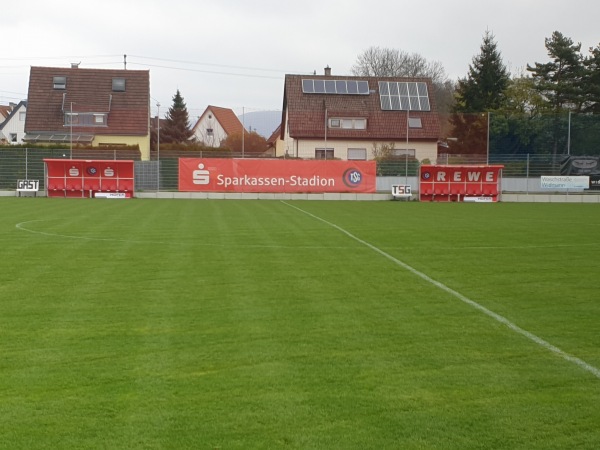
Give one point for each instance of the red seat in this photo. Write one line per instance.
(490, 190)
(427, 188)
(441, 189)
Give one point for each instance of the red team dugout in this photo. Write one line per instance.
(79, 178)
(480, 183)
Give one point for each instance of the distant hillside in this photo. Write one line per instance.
(263, 122)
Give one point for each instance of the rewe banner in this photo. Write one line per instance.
(276, 176)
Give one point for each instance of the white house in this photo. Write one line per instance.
(215, 125)
(12, 130)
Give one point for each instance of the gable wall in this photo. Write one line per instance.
(14, 125)
(219, 134)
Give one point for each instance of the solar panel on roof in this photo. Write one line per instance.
(342, 87)
(404, 96)
(308, 86)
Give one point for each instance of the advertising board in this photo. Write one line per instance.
(276, 176)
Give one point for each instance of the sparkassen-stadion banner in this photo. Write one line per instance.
(276, 175)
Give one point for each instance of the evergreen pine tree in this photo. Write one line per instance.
(176, 128)
(488, 78)
(480, 92)
(560, 80)
(591, 81)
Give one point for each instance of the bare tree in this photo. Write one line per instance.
(387, 62)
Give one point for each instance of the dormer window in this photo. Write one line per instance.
(59, 82)
(348, 124)
(71, 119)
(99, 119)
(118, 84)
(86, 119)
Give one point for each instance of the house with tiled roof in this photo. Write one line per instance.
(215, 125)
(5, 111)
(275, 143)
(353, 118)
(97, 107)
(12, 129)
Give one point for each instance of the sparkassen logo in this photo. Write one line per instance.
(201, 175)
(352, 178)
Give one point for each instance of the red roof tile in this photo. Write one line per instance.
(90, 91)
(306, 112)
(228, 120)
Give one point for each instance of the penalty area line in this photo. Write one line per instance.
(517, 329)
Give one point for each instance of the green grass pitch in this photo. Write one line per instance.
(206, 324)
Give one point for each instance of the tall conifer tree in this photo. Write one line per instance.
(176, 128)
(483, 88)
(560, 79)
(481, 91)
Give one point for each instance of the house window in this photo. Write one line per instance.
(414, 122)
(209, 131)
(22, 116)
(360, 124)
(357, 154)
(348, 124)
(12, 137)
(403, 152)
(59, 82)
(323, 153)
(71, 119)
(85, 119)
(118, 84)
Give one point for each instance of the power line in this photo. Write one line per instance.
(207, 71)
(260, 69)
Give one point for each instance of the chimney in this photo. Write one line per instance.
(75, 65)
(327, 71)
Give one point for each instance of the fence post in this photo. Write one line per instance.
(527, 176)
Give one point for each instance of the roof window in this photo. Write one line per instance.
(59, 82)
(118, 84)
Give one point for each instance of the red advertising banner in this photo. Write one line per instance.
(277, 176)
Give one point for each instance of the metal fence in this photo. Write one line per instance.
(163, 173)
(509, 133)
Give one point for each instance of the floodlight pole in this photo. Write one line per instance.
(487, 150)
(157, 146)
(243, 129)
(326, 124)
(407, 151)
(569, 136)
(71, 132)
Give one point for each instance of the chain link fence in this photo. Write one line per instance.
(162, 172)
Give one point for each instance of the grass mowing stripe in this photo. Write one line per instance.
(545, 344)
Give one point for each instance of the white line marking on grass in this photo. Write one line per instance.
(538, 340)
(22, 226)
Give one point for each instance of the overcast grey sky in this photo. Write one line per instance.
(235, 53)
